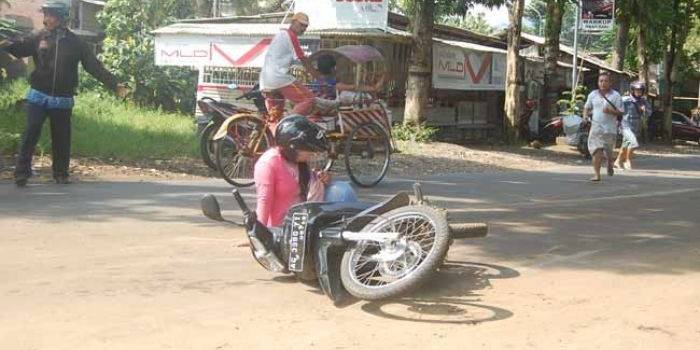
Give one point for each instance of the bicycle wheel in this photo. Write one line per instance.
(245, 141)
(367, 154)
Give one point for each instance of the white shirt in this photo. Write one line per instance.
(283, 50)
(604, 122)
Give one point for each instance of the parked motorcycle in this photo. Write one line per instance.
(547, 131)
(213, 115)
(367, 251)
(576, 130)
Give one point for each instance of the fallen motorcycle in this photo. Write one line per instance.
(370, 252)
(547, 131)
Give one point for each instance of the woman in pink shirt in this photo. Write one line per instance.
(283, 177)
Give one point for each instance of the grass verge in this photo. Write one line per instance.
(103, 127)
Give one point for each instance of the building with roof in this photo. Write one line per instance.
(468, 70)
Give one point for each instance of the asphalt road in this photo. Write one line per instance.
(568, 265)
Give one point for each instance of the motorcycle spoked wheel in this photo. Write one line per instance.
(372, 270)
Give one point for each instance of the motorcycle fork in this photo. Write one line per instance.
(328, 253)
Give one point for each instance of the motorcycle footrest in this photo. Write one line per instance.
(468, 230)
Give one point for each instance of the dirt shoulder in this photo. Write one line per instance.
(412, 160)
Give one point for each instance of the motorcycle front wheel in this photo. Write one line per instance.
(372, 270)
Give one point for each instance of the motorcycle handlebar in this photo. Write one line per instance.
(241, 203)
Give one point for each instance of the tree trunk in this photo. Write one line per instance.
(204, 8)
(621, 40)
(642, 53)
(514, 79)
(420, 63)
(669, 62)
(553, 83)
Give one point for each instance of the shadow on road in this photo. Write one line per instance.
(542, 219)
(450, 297)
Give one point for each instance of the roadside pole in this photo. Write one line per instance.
(574, 63)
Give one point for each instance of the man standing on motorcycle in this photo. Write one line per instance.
(276, 81)
(637, 109)
(56, 52)
(605, 106)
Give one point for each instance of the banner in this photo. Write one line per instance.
(597, 15)
(200, 50)
(458, 68)
(345, 14)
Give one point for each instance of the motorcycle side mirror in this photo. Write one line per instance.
(232, 86)
(211, 208)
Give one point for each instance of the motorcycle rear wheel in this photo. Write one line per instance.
(373, 271)
(207, 146)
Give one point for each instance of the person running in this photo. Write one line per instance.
(605, 106)
(636, 109)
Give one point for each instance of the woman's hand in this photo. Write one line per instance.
(323, 176)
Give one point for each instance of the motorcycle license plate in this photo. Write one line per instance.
(297, 244)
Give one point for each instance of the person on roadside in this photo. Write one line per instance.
(636, 109)
(276, 81)
(56, 52)
(327, 85)
(283, 177)
(695, 116)
(605, 106)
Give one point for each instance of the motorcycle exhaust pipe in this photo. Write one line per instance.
(468, 230)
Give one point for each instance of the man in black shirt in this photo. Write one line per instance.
(56, 52)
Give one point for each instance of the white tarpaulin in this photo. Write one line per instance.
(199, 50)
(463, 68)
(343, 14)
(572, 123)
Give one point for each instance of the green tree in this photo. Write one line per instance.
(514, 78)
(7, 29)
(422, 20)
(203, 8)
(534, 16)
(475, 23)
(128, 51)
(623, 18)
(683, 14)
(553, 82)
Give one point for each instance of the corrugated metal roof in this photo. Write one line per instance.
(470, 46)
(95, 2)
(221, 29)
(248, 29)
(570, 50)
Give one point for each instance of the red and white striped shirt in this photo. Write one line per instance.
(283, 50)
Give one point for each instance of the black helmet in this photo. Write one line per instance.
(297, 133)
(638, 85)
(57, 8)
(325, 64)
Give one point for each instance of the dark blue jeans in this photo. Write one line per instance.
(60, 139)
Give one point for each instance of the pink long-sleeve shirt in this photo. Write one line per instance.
(276, 186)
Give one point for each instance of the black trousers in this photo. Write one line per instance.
(60, 139)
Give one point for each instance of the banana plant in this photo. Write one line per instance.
(572, 104)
